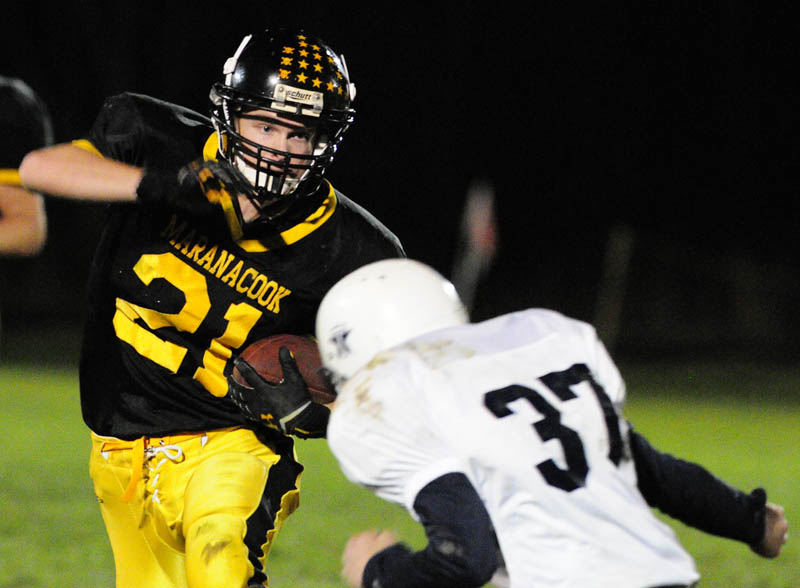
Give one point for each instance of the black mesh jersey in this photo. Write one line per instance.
(171, 298)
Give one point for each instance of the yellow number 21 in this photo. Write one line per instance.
(241, 319)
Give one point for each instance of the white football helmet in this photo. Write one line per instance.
(381, 305)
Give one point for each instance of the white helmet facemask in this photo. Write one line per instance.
(268, 181)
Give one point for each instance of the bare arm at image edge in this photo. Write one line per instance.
(71, 170)
(23, 223)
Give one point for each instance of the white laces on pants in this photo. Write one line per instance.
(172, 453)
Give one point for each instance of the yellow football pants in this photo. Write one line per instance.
(190, 511)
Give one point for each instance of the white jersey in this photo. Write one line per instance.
(524, 406)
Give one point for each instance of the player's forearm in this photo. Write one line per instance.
(23, 224)
(691, 494)
(71, 172)
(461, 550)
(20, 238)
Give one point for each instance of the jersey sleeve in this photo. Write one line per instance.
(691, 494)
(461, 550)
(143, 131)
(381, 438)
(606, 371)
(375, 240)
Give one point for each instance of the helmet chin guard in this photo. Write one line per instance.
(298, 78)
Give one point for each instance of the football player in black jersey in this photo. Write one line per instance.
(25, 124)
(222, 231)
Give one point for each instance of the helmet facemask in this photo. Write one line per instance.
(278, 173)
(278, 177)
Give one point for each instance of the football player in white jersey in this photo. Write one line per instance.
(506, 433)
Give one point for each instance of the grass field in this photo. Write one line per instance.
(742, 422)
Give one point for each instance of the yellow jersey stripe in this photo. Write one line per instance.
(302, 229)
(10, 177)
(87, 145)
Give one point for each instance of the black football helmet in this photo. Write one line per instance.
(302, 80)
(23, 117)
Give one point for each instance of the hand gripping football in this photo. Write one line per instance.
(263, 356)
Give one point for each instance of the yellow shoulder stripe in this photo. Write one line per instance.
(302, 229)
(10, 177)
(87, 145)
(211, 147)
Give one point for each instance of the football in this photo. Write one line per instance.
(263, 356)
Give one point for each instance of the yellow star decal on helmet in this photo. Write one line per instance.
(317, 56)
(316, 82)
(303, 53)
(330, 86)
(317, 67)
(303, 44)
(301, 77)
(303, 64)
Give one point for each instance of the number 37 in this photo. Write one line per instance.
(550, 426)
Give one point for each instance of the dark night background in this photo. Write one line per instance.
(675, 125)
